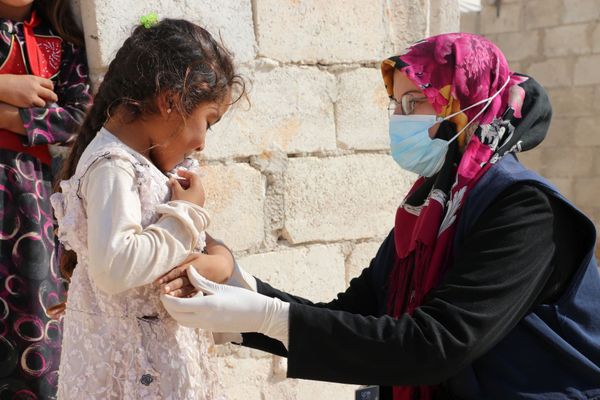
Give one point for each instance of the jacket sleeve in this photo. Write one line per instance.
(58, 122)
(122, 253)
(496, 278)
(361, 297)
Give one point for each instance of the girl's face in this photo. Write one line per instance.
(16, 10)
(189, 135)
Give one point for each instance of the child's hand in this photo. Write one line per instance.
(194, 193)
(25, 91)
(217, 266)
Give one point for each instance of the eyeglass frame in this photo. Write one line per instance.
(407, 102)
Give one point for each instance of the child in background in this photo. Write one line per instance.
(167, 85)
(44, 92)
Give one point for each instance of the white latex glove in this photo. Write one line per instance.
(240, 278)
(229, 309)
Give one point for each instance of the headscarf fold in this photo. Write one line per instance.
(455, 71)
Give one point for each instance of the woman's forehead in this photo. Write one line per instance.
(402, 84)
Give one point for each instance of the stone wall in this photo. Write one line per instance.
(301, 184)
(558, 43)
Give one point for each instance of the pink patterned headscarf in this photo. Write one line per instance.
(455, 71)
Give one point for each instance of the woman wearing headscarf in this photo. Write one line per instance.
(486, 288)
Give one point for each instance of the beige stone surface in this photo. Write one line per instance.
(291, 110)
(553, 72)
(361, 110)
(407, 24)
(107, 24)
(309, 31)
(507, 21)
(518, 46)
(542, 13)
(342, 198)
(533, 159)
(235, 200)
(314, 272)
(244, 378)
(568, 162)
(585, 132)
(360, 258)
(469, 22)
(573, 101)
(580, 11)
(567, 40)
(596, 38)
(562, 132)
(587, 191)
(444, 16)
(565, 186)
(587, 70)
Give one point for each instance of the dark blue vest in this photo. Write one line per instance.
(554, 351)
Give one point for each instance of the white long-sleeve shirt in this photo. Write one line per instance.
(122, 254)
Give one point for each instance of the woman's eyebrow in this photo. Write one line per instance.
(414, 91)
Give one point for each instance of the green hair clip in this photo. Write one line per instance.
(149, 20)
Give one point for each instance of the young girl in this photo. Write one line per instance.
(166, 86)
(43, 97)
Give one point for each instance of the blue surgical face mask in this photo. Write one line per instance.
(414, 150)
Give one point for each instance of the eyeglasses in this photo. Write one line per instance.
(405, 106)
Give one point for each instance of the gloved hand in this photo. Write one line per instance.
(240, 278)
(225, 308)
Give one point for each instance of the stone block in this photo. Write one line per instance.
(244, 378)
(314, 272)
(235, 199)
(360, 258)
(587, 191)
(596, 171)
(469, 22)
(309, 32)
(553, 72)
(342, 198)
(596, 39)
(507, 21)
(562, 132)
(532, 159)
(311, 390)
(518, 46)
(361, 110)
(407, 22)
(586, 132)
(567, 40)
(291, 110)
(565, 186)
(572, 102)
(580, 11)
(542, 13)
(567, 162)
(106, 25)
(587, 70)
(444, 16)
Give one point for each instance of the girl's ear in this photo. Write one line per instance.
(166, 105)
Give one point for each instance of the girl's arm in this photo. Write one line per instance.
(123, 254)
(57, 123)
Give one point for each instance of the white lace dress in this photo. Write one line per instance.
(124, 345)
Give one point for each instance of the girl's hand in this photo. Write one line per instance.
(194, 193)
(217, 266)
(25, 91)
